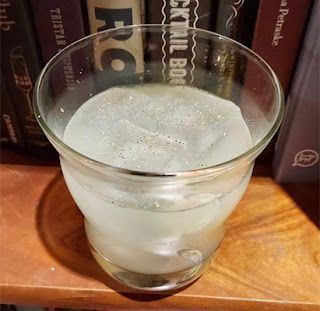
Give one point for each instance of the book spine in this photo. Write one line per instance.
(4, 135)
(235, 19)
(29, 308)
(297, 149)
(278, 33)
(58, 24)
(143, 11)
(8, 307)
(9, 121)
(20, 64)
(118, 57)
(191, 55)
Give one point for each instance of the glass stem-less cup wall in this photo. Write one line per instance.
(149, 229)
(183, 231)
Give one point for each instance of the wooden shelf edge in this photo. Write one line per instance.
(49, 296)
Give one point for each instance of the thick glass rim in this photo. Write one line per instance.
(244, 157)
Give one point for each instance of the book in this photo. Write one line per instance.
(278, 33)
(10, 128)
(58, 24)
(85, 20)
(72, 309)
(29, 308)
(117, 57)
(4, 135)
(297, 149)
(20, 64)
(236, 20)
(187, 64)
(4, 307)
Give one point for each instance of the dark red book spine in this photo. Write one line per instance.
(10, 128)
(58, 24)
(20, 64)
(278, 33)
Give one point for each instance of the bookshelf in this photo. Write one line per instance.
(269, 259)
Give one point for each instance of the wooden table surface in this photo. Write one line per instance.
(269, 259)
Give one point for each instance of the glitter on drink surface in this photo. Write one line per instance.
(158, 128)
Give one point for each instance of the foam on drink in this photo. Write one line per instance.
(158, 128)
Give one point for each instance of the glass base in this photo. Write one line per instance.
(151, 282)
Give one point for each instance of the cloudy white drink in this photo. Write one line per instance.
(164, 227)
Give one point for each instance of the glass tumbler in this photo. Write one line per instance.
(148, 230)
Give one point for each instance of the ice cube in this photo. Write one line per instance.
(134, 147)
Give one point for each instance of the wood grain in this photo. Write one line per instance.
(269, 259)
